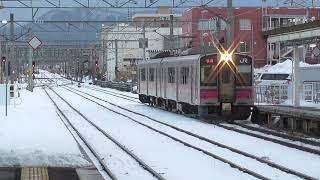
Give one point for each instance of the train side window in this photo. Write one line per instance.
(143, 74)
(184, 75)
(171, 75)
(151, 74)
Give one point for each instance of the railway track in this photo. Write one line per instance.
(280, 138)
(105, 134)
(188, 133)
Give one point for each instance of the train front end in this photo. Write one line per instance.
(226, 84)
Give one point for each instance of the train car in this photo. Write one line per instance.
(199, 84)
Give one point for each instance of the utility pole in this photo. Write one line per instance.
(30, 67)
(12, 61)
(171, 33)
(6, 64)
(297, 52)
(144, 41)
(103, 54)
(116, 58)
(230, 24)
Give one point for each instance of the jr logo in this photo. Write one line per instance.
(243, 61)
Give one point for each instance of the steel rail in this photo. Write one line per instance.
(103, 165)
(288, 144)
(138, 160)
(271, 164)
(233, 165)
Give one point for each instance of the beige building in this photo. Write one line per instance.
(123, 44)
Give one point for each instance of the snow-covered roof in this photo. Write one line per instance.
(284, 67)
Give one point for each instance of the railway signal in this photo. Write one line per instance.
(3, 59)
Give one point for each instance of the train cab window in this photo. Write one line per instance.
(184, 75)
(151, 74)
(171, 75)
(207, 76)
(225, 76)
(143, 74)
(245, 75)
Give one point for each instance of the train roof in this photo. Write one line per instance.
(189, 58)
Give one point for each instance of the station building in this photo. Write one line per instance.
(249, 25)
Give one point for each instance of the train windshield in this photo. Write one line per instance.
(207, 75)
(244, 77)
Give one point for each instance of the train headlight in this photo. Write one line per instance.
(226, 56)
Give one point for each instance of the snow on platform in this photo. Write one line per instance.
(33, 135)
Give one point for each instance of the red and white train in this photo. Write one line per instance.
(199, 84)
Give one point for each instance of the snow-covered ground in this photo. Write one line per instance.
(292, 158)
(32, 135)
(173, 160)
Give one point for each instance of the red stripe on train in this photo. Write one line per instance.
(208, 94)
(243, 94)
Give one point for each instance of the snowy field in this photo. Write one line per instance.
(32, 135)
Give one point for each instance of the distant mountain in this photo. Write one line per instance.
(79, 31)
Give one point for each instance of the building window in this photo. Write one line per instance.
(245, 24)
(171, 75)
(143, 74)
(184, 75)
(206, 25)
(151, 74)
(244, 47)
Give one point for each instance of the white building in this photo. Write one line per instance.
(122, 42)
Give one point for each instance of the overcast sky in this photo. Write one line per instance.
(25, 14)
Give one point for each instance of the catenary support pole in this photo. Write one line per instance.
(144, 42)
(12, 60)
(30, 68)
(230, 23)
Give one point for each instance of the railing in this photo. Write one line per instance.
(273, 94)
(282, 94)
(311, 92)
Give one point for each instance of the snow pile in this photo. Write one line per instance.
(284, 67)
(33, 135)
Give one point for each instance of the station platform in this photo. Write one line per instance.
(306, 119)
(309, 113)
(47, 173)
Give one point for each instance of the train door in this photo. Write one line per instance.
(226, 83)
(192, 84)
(177, 76)
(156, 80)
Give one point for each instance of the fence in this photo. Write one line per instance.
(311, 92)
(282, 93)
(273, 94)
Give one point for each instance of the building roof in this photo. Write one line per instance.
(294, 28)
(155, 15)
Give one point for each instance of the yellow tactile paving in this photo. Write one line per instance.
(34, 173)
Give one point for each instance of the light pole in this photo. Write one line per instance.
(6, 74)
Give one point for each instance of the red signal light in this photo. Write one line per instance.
(209, 61)
(3, 59)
